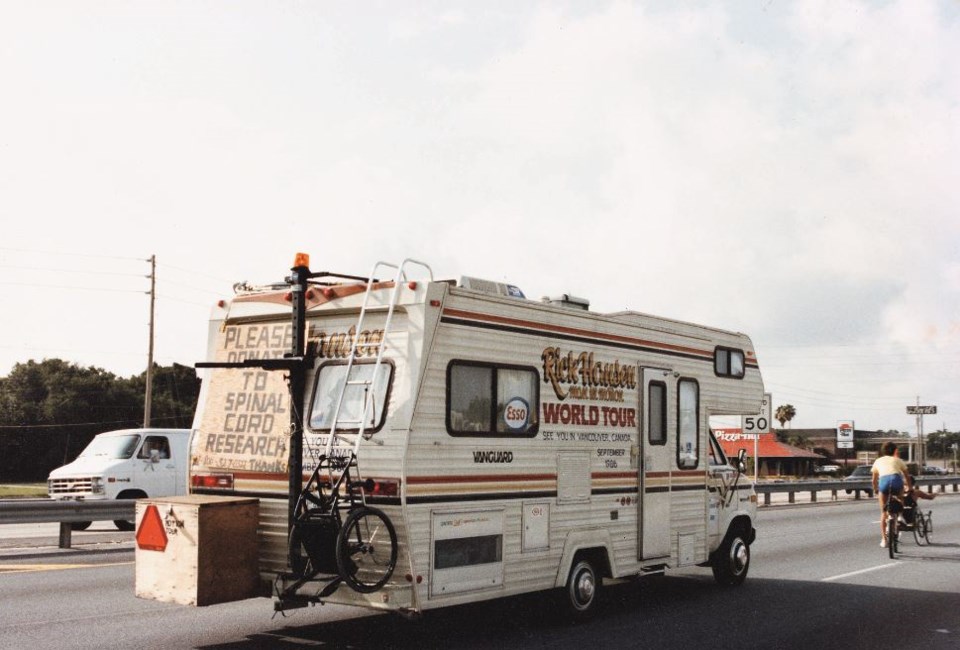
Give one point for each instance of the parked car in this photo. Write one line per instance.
(826, 469)
(933, 469)
(859, 474)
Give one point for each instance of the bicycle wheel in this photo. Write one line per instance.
(892, 534)
(919, 528)
(366, 549)
(928, 527)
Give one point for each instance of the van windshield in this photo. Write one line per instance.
(112, 446)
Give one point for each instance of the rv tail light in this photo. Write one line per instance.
(221, 304)
(329, 293)
(288, 297)
(385, 488)
(412, 285)
(212, 481)
(309, 294)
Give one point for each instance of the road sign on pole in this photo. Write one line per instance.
(920, 411)
(845, 431)
(760, 423)
(754, 425)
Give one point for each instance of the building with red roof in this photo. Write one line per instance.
(776, 458)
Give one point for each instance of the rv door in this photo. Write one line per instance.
(656, 460)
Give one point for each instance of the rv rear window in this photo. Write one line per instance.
(728, 362)
(364, 400)
(491, 400)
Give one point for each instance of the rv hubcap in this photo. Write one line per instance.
(740, 556)
(586, 586)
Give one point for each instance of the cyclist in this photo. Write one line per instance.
(889, 474)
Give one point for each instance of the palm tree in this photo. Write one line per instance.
(785, 413)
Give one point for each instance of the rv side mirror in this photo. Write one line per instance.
(741, 461)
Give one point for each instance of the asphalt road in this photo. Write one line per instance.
(818, 579)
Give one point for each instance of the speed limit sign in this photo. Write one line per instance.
(758, 423)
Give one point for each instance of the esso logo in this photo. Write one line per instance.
(516, 413)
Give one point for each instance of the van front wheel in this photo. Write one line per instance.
(128, 524)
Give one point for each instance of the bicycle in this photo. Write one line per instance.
(893, 508)
(336, 534)
(920, 523)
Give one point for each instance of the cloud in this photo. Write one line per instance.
(782, 169)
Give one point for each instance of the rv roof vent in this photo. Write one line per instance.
(488, 286)
(566, 300)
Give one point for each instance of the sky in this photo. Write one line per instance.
(789, 170)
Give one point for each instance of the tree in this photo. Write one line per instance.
(50, 410)
(784, 413)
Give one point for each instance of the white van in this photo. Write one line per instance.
(125, 464)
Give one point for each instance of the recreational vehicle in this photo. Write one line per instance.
(415, 443)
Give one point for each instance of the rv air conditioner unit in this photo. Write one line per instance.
(488, 286)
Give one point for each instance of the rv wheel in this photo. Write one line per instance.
(80, 525)
(583, 588)
(731, 561)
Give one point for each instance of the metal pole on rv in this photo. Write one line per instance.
(300, 274)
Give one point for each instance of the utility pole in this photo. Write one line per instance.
(153, 300)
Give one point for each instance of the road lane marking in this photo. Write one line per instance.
(856, 573)
(26, 568)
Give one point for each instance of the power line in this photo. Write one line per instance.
(72, 254)
(19, 427)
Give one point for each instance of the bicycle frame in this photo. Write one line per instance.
(892, 510)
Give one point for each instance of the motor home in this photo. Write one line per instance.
(125, 464)
(416, 443)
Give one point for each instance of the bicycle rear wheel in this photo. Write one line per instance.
(892, 534)
(928, 527)
(366, 549)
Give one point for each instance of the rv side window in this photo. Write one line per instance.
(484, 399)
(728, 362)
(657, 410)
(688, 424)
(365, 401)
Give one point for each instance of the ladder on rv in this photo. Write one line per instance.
(356, 429)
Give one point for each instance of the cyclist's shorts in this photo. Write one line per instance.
(891, 482)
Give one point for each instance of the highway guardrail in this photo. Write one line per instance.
(45, 511)
(815, 486)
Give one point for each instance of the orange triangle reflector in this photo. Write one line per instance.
(151, 535)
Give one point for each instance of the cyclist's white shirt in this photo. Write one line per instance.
(889, 465)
